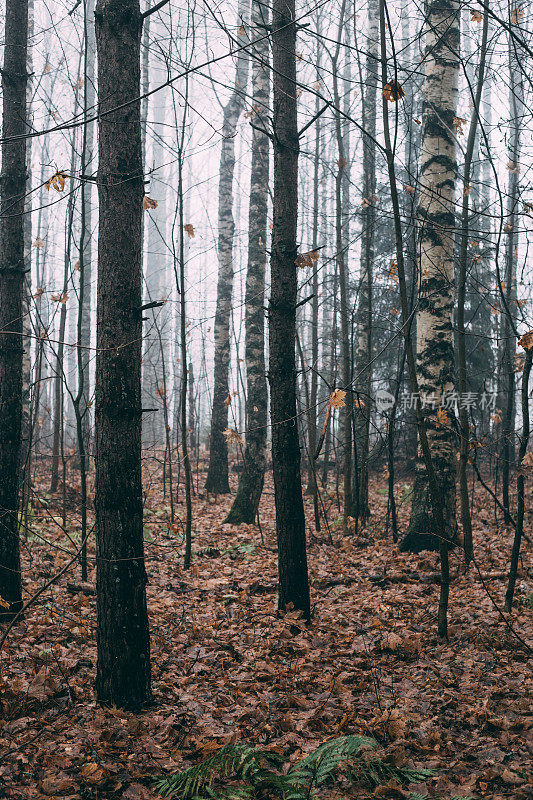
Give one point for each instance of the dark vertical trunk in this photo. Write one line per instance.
(123, 668)
(13, 189)
(363, 353)
(520, 484)
(507, 386)
(86, 235)
(290, 519)
(217, 480)
(246, 503)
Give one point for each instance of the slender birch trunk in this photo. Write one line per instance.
(436, 214)
(217, 481)
(246, 503)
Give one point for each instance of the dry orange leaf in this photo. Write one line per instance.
(393, 91)
(57, 181)
(442, 417)
(336, 399)
(526, 341)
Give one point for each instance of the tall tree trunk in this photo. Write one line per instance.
(436, 213)
(464, 421)
(86, 237)
(312, 485)
(508, 289)
(520, 484)
(246, 503)
(12, 265)
(123, 667)
(157, 329)
(26, 318)
(341, 239)
(290, 518)
(363, 350)
(217, 481)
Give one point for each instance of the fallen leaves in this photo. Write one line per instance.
(227, 667)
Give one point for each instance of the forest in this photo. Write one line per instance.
(266, 340)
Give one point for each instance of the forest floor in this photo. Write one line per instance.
(226, 668)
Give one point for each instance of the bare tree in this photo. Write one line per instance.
(246, 503)
(217, 481)
(436, 214)
(12, 266)
(123, 668)
(290, 518)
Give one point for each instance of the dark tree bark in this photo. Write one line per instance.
(123, 668)
(12, 265)
(290, 519)
(363, 349)
(507, 383)
(217, 480)
(520, 484)
(246, 503)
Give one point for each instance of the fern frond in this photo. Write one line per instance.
(256, 773)
(318, 766)
(235, 761)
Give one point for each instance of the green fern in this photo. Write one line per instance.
(256, 772)
(232, 761)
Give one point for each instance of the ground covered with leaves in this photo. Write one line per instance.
(227, 669)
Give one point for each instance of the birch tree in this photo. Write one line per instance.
(436, 216)
(217, 481)
(246, 503)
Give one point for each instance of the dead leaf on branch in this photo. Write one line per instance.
(59, 298)
(189, 230)
(57, 181)
(393, 91)
(232, 437)
(336, 399)
(526, 341)
(458, 123)
(148, 202)
(526, 464)
(308, 259)
(516, 15)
